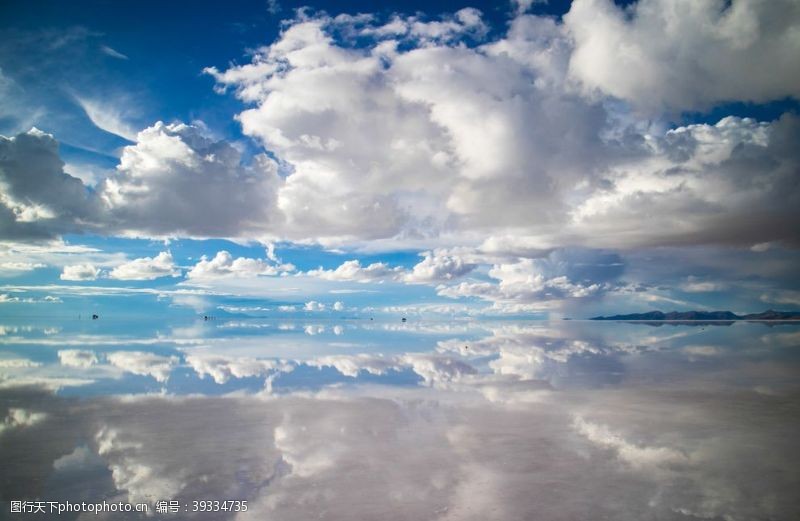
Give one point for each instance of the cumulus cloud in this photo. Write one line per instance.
(224, 265)
(77, 358)
(437, 370)
(686, 55)
(434, 369)
(80, 272)
(352, 365)
(38, 200)
(345, 182)
(530, 284)
(527, 142)
(146, 268)
(143, 363)
(524, 353)
(495, 138)
(221, 368)
(438, 266)
(175, 180)
(730, 182)
(313, 305)
(19, 418)
(352, 270)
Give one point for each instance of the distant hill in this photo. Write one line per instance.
(652, 316)
(773, 315)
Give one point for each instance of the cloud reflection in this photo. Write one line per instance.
(504, 421)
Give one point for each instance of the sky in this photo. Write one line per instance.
(424, 159)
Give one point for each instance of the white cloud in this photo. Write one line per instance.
(12, 268)
(351, 365)
(353, 271)
(423, 309)
(225, 265)
(47, 299)
(113, 52)
(438, 266)
(80, 272)
(495, 140)
(221, 368)
(313, 330)
(38, 199)
(522, 6)
(434, 369)
(75, 460)
(688, 54)
(695, 285)
(638, 456)
(437, 370)
(530, 284)
(21, 418)
(142, 482)
(761, 247)
(517, 142)
(146, 268)
(495, 152)
(17, 363)
(108, 116)
(338, 306)
(702, 350)
(176, 180)
(708, 174)
(143, 363)
(782, 297)
(21, 266)
(77, 358)
(313, 305)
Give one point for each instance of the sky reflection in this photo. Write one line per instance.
(424, 420)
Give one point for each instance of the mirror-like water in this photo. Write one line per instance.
(418, 420)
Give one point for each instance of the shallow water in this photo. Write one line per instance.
(386, 420)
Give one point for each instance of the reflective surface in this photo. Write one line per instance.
(418, 420)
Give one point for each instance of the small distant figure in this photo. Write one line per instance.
(404, 319)
(466, 347)
(95, 317)
(205, 317)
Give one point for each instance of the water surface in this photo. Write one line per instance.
(359, 419)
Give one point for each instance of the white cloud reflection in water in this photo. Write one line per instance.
(445, 421)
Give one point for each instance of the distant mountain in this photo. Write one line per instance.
(653, 316)
(773, 315)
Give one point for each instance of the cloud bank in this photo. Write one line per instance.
(427, 130)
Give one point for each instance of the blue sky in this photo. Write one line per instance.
(428, 159)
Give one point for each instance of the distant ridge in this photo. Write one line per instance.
(653, 316)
